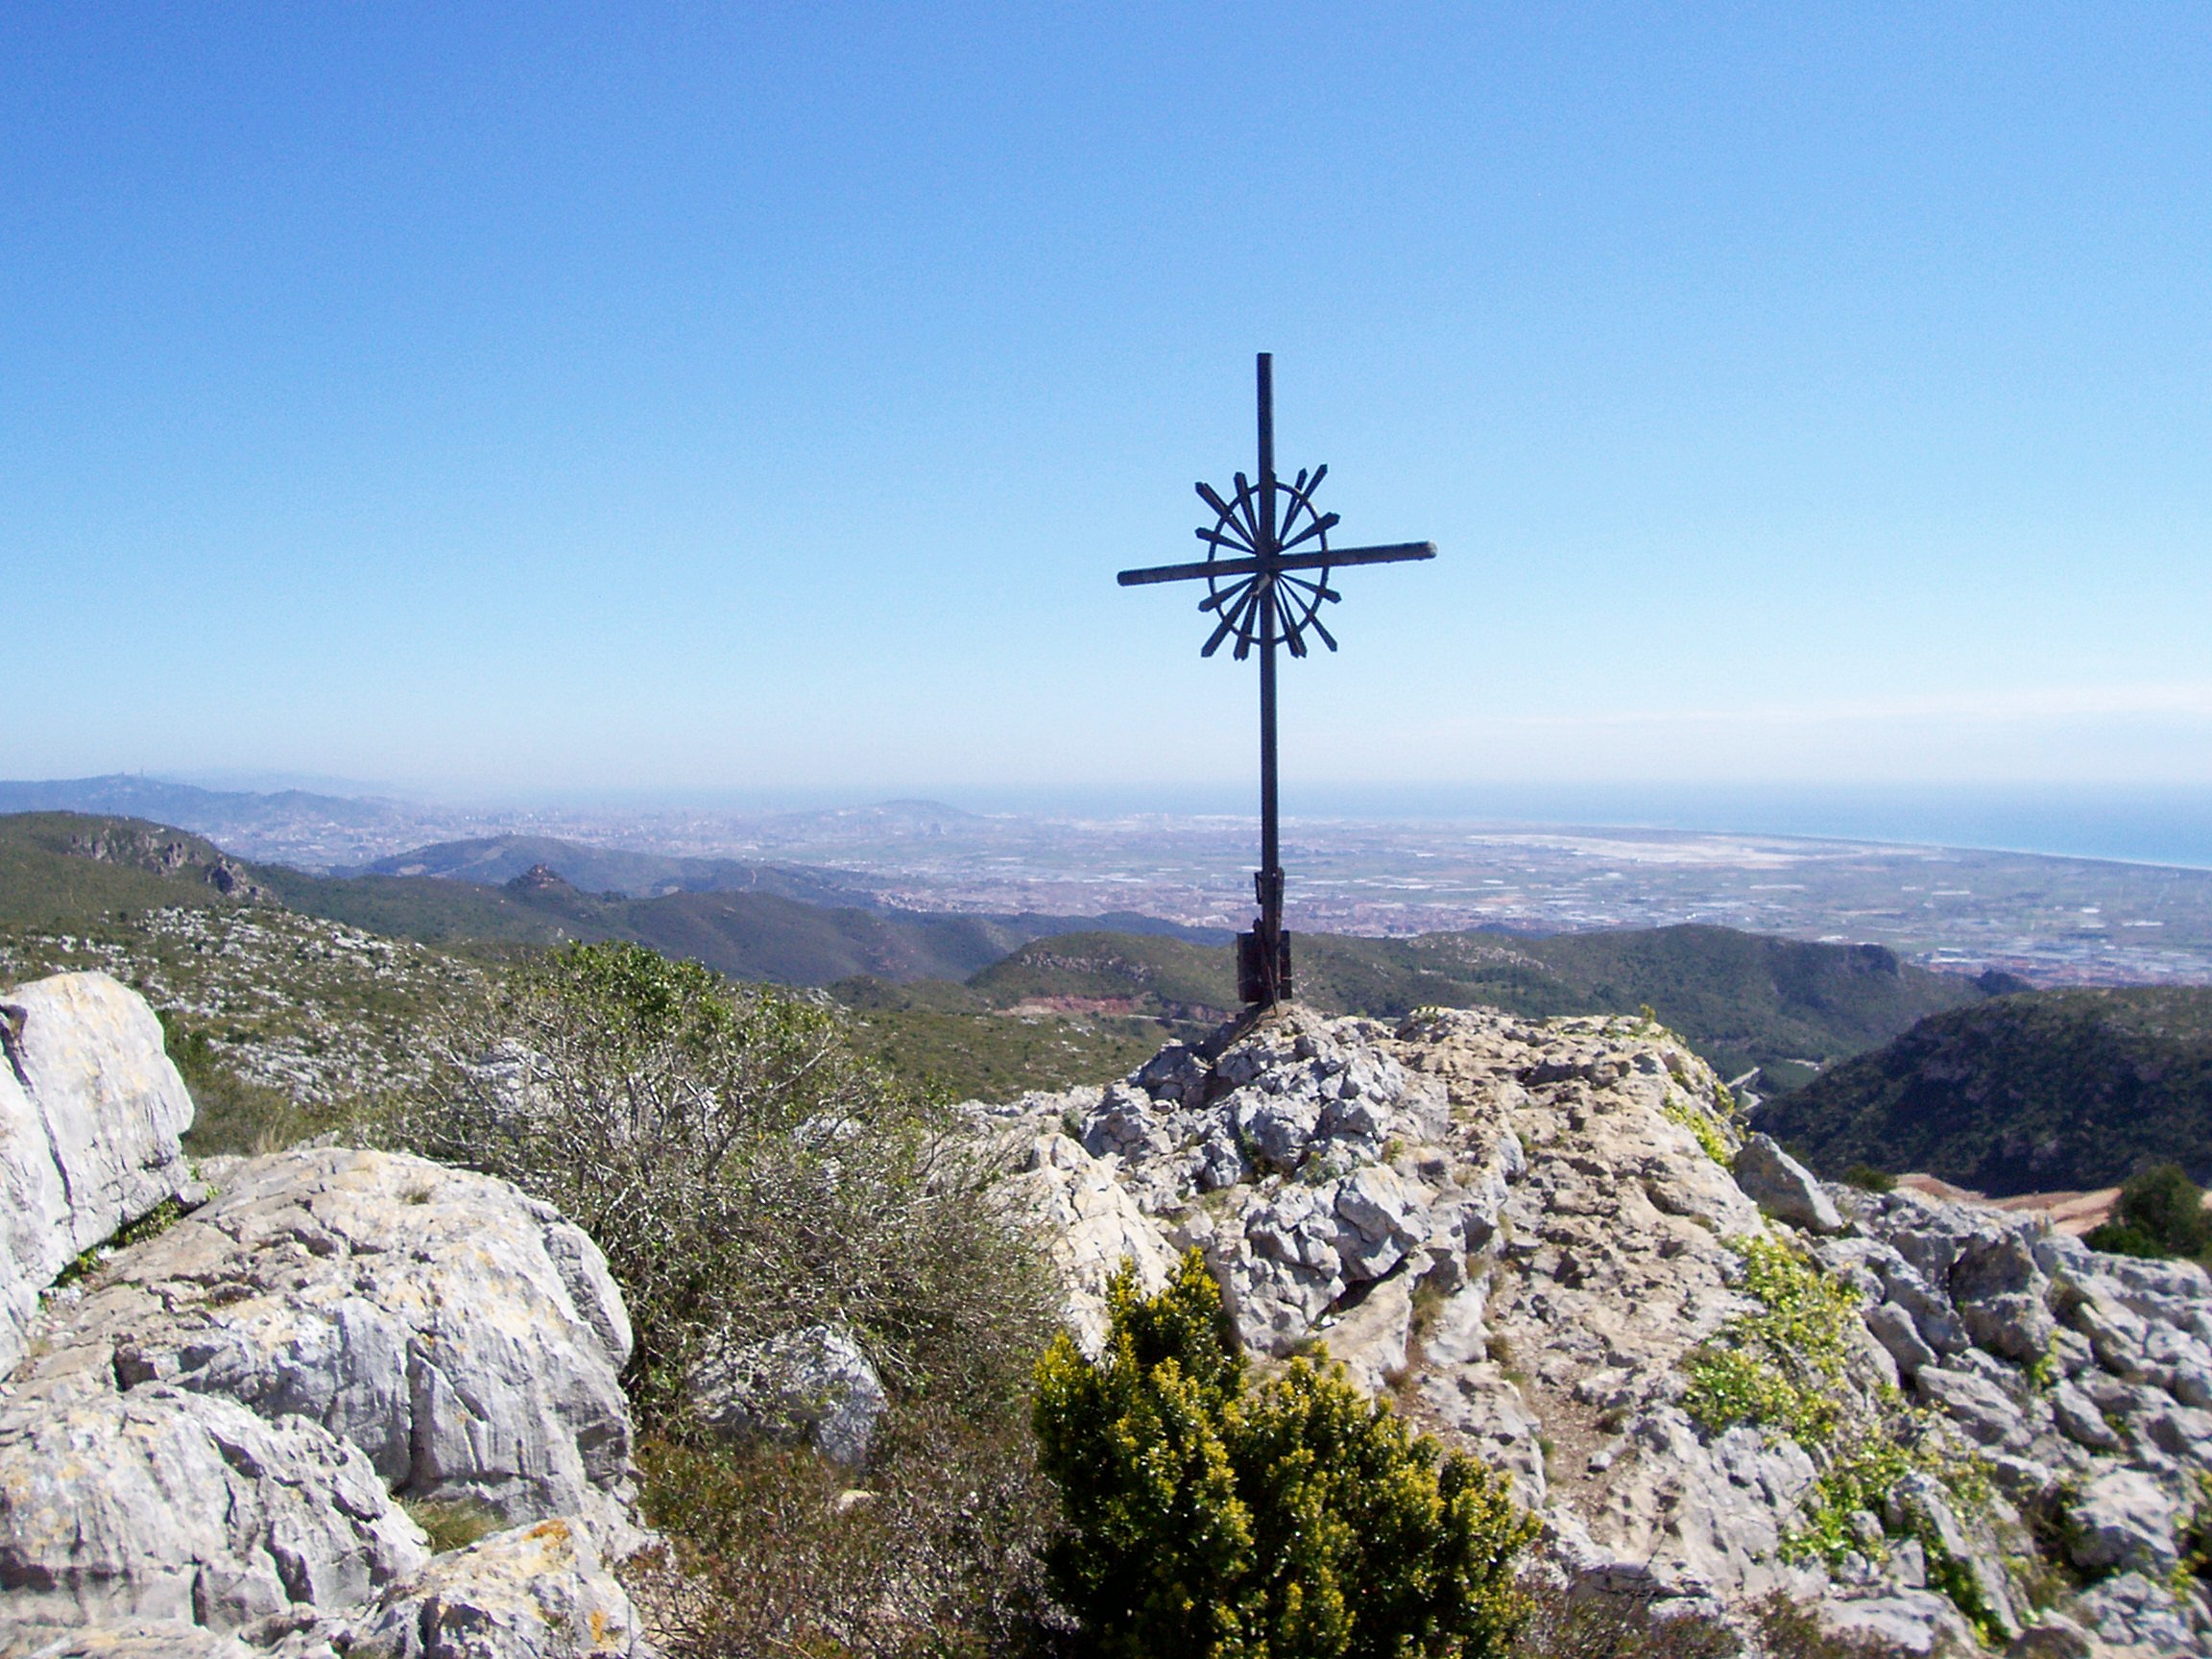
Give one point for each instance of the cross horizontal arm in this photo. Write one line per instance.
(1395, 553)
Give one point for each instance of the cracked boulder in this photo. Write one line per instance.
(90, 1110)
(162, 1504)
(464, 1339)
(538, 1592)
(813, 1384)
(1783, 1188)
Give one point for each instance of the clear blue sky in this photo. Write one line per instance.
(761, 397)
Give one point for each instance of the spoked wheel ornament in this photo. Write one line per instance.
(1266, 575)
(1246, 604)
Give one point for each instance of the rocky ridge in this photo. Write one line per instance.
(1717, 1380)
(226, 1437)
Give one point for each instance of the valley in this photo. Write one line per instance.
(2050, 920)
(266, 967)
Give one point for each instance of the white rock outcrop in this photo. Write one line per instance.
(529, 1592)
(90, 1110)
(1092, 1223)
(466, 1338)
(1531, 1232)
(210, 1444)
(162, 1504)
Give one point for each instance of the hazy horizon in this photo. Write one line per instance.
(2142, 825)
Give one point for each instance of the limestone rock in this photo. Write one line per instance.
(138, 1639)
(538, 1592)
(2000, 1292)
(167, 1505)
(1783, 1188)
(2124, 1519)
(1975, 1403)
(465, 1337)
(2139, 1615)
(1519, 1229)
(90, 1110)
(2052, 1636)
(813, 1385)
(199, 1449)
(1893, 1328)
(2081, 1420)
(1370, 1340)
(1906, 1622)
(1091, 1221)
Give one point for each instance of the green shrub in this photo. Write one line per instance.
(1292, 1520)
(2160, 1212)
(1868, 1179)
(1702, 1126)
(1781, 1364)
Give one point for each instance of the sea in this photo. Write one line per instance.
(2132, 824)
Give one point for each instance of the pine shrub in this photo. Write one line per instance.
(1206, 1519)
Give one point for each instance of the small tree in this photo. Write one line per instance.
(2160, 1212)
(1297, 1520)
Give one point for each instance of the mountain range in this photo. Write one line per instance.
(57, 870)
(491, 860)
(1751, 1003)
(1860, 1058)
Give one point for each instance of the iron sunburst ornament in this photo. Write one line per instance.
(1235, 539)
(1266, 574)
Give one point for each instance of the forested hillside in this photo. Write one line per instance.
(1743, 1000)
(2034, 1091)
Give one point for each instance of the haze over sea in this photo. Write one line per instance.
(2130, 823)
(2137, 825)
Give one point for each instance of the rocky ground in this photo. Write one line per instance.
(332, 1402)
(326, 1013)
(1553, 1243)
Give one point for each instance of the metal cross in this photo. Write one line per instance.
(1255, 588)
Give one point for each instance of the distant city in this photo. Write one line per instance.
(2049, 920)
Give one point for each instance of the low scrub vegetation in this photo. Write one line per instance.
(1783, 1368)
(747, 1174)
(1206, 1519)
(2160, 1212)
(931, 1550)
(744, 1170)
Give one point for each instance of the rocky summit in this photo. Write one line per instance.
(332, 1402)
(1941, 1427)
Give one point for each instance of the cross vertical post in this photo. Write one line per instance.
(1266, 575)
(1264, 968)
